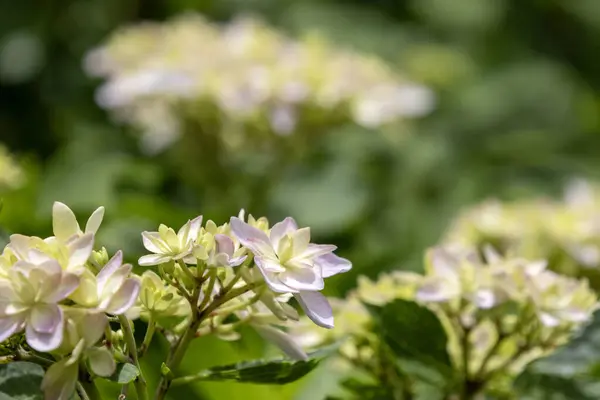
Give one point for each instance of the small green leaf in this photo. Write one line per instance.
(21, 380)
(262, 371)
(417, 338)
(125, 373)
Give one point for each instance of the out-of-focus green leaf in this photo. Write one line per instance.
(264, 371)
(401, 325)
(21, 381)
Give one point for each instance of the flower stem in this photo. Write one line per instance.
(87, 390)
(198, 316)
(147, 338)
(140, 382)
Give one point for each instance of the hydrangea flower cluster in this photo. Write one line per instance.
(247, 75)
(499, 313)
(60, 295)
(566, 233)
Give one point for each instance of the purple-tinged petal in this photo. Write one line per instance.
(333, 265)
(67, 286)
(109, 269)
(9, 325)
(252, 238)
(302, 279)
(153, 259)
(124, 298)
(195, 225)
(42, 341)
(45, 318)
(64, 223)
(60, 380)
(101, 361)
(316, 307)
(282, 340)
(234, 262)
(224, 244)
(80, 250)
(316, 250)
(271, 278)
(280, 229)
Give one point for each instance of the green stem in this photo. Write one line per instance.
(208, 290)
(197, 317)
(87, 390)
(140, 382)
(182, 380)
(147, 338)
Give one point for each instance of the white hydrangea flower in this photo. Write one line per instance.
(29, 300)
(289, 263)
(168, 245)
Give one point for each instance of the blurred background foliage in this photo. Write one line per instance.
(516, 115)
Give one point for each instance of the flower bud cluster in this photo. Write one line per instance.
(243, 74)
(567, 232)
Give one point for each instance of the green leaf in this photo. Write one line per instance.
(417, 338)
(125, 373)
(21, 380)
(264, 371)
(567, 373)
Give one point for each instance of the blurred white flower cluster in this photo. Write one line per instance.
(567, 232)
(243, 74)
(503, 312)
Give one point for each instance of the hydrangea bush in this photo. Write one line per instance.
(69, 306)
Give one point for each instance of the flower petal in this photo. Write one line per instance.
(93, 223)
(282, 340)
(60, 379)
(124, 298)
(153, 242)
(316, 250)
(224, 244)
(101, 361)
(280, 229)
(302, 279)
(45, 318)
(271, 278)
(80, 250)
(109, 269)
(64, 223)
(333, 265)
(252, 238)
(316, 307)
(153, 259)
(9, 325)
(20, 245)
(92, 326)
(45, 341)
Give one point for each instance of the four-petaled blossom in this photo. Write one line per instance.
(112, 290)
(289, 263)
(29, 300)
(221, 249)
(168, 245)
